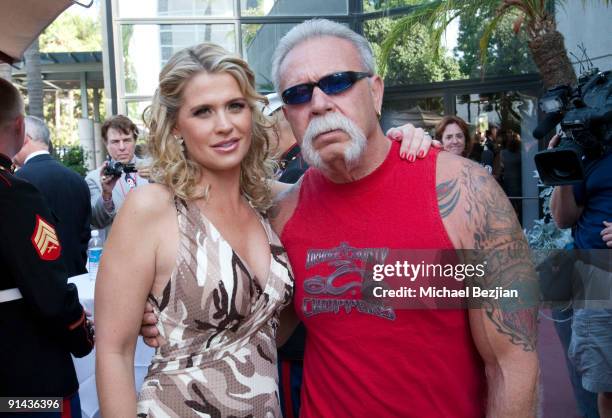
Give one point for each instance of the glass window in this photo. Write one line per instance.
(376, 5)
(423, 113)
(146, 48)
(165, 8)
(293, 7)
(134, 111)
(258, 45)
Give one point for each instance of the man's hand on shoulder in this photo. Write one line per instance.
(148, 327)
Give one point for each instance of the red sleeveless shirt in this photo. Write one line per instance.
(362, 360)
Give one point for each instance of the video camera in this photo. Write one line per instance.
(585, 114)
(116, 168)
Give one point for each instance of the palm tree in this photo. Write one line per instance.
(534, 17)
(35, 83)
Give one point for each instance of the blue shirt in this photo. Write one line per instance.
(595, 195)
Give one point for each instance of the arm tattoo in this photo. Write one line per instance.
(277, 214)
(274, 210)
(500, 243)
(448, 196)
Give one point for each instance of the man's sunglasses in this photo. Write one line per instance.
(330, 84)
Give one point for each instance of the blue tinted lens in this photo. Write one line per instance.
(331, 84)
(336, 83)
(298, 94)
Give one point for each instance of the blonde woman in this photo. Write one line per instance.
(196, 245)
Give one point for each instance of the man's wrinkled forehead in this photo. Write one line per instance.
(314, 58)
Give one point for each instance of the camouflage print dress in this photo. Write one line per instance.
(219, 359)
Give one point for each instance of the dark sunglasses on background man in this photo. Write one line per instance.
(330, 84)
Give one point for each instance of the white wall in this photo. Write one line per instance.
(587, 23)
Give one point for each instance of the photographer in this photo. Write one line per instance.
(110, 183)
(587, 208)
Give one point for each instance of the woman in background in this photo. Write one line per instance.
(454, 134)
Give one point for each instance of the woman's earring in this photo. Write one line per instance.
(181, 142)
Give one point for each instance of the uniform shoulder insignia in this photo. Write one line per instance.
(45, 240)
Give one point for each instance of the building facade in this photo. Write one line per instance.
(141, 35)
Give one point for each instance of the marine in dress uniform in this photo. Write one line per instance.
(41, 319)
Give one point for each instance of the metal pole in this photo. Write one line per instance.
(84, 104)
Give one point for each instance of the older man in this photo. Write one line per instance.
(358, 201)
(65, 192)
(41, 319)
(360, 198)
(108, 191)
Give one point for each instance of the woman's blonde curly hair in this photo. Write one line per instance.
(171, 165)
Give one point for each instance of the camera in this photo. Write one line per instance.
(116, 168)
(585, 114)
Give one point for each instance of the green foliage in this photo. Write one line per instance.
(411, 60)
(62, 110)
(72, 32)
(531, 18)
(73, 157)
(507, 52)
(544, 235)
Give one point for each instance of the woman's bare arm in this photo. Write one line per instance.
(125, 279)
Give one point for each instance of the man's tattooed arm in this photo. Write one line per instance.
(482, 224)
(494, 236)
(285, 201)
(448, 196)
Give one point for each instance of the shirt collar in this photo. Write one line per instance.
(35, 154)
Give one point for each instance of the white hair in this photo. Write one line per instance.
(329, 122)
(37, 129)
(318, 28)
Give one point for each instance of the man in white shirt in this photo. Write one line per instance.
(108, 192)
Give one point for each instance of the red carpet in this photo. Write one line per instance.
(558, 399)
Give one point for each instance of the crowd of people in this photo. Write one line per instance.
(251, 226)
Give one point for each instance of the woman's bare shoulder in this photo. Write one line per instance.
(150, 200)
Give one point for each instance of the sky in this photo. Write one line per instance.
(449, 40)
(93, 11)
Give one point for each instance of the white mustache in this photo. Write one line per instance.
(326, 123)
(330, 122)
